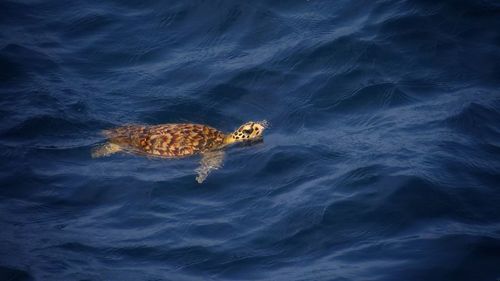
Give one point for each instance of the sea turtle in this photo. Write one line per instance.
(178, 140)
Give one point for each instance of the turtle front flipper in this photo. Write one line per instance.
(105, 150)
(210, 161)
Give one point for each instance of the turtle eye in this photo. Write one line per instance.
(247, 131)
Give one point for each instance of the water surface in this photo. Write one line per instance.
(381, 163)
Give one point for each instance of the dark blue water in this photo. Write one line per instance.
(382, 161)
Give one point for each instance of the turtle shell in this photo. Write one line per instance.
(167, 140)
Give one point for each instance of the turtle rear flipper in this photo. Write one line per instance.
(105, 150)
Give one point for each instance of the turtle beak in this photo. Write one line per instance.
(261, 126)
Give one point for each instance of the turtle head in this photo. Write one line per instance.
(249, 131)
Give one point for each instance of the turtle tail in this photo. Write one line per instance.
(104, 150)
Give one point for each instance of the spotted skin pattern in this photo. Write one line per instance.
(167, 140)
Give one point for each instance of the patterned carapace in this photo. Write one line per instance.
(167, 140)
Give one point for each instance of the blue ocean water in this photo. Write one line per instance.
(382, 161)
